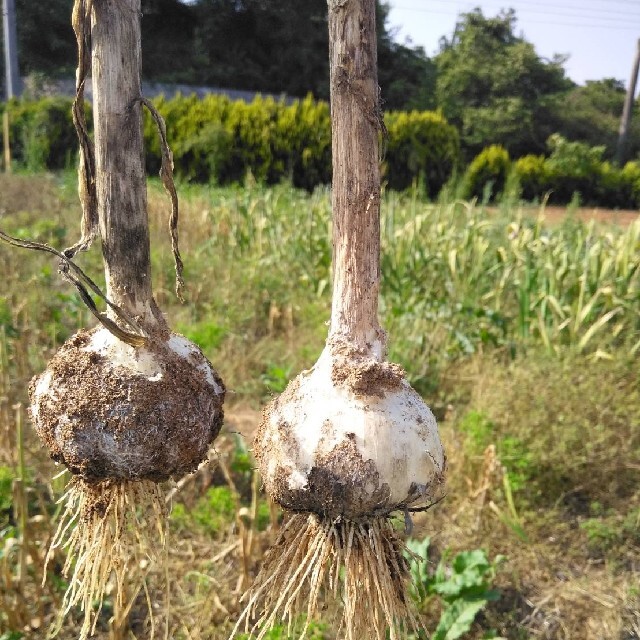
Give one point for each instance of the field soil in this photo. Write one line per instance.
(621, 217)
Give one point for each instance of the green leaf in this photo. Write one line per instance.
(457, 619)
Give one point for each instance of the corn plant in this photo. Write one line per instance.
(478, 279)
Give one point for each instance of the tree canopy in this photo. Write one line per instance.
(592, 113)
(168, 28)
(272, 46)
(495, 88)
(269, 46)
(46, 41)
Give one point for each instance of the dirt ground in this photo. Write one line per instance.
(622, 217)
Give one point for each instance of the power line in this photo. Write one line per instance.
(578, 7)
(602, 12)
(631, 2)
(526, 10)
(619, 25)
(609, 27)
(605, 27)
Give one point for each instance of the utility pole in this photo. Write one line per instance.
(12, 74)
(625, 122)
(13, 84)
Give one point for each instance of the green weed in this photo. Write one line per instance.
(6, 483)
(276, 377)
(612, 530)
(463, 586)
(212, 514)
(242, 464)
(479, 431)
(316, 631)
(206, 335)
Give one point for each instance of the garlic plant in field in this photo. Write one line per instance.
(123, 410)
(349, 442)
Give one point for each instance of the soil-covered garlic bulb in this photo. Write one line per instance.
(112, 405)
(351, 438)
(110, 410)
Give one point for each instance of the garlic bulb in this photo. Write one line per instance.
(109, 410)
(350, 437)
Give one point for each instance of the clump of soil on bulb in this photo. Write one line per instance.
(111, 411)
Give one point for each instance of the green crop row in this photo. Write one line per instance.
(41, 133)
(572, 171)
(217, 140)
(460, 280)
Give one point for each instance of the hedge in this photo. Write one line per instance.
(487, 174)
(42, 133)
(219, 140)
(420, 145)
(572, 171)
(215, 139)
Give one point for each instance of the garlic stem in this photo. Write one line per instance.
(356, 123)
(120, 169)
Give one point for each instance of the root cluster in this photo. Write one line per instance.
(110, 528)
(362, 563)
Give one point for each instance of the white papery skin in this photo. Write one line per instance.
(395, 429)
(138, 360)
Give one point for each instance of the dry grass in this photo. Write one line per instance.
(553, 460)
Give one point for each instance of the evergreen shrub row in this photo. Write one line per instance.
(573, 171)
(41, 133)
(216, 139)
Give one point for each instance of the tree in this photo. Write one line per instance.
(260, 45)
(495, 88)
(46, 44)
(591, 114)
(270, 46)
(273, 46)
(406, 75)
(45, 37)
(168, 28)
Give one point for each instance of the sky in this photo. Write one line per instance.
(600, 36)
